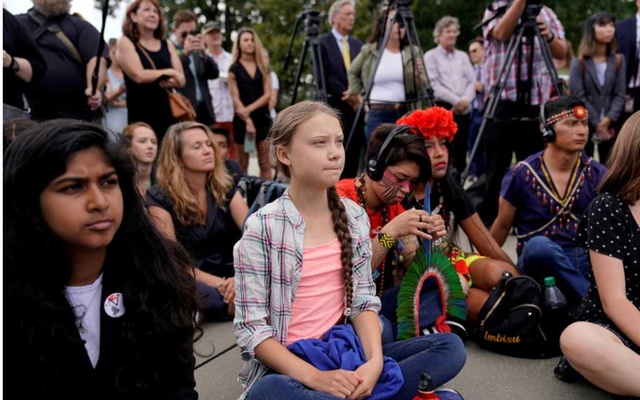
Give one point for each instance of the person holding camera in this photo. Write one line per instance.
(514, 127)
(198, 68)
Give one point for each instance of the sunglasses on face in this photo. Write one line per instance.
(192, 33)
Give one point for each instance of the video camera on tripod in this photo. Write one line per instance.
(311, 20)
(533, 9)
(524, 34)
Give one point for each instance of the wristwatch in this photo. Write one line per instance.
(15, 67)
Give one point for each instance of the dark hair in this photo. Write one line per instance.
(379, 26)
(13, 128)
(588, 43)
(479, 40)
(559, 104)
(403, 147)
(183, 16)
(623, 175)
(217, 130)
(130, 29)
(151, 271)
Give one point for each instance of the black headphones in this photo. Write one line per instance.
(548, 134)
(377, 165)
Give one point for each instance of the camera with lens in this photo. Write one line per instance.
(311, 23)
(533, 9)
(401, 3)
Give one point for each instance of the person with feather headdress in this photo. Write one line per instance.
(480, 270)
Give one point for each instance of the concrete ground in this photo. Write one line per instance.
(485, 375)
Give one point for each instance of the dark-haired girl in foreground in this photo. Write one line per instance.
(101, 306)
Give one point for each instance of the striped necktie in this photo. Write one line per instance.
(346, 54)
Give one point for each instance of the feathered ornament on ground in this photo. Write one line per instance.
(429, 265)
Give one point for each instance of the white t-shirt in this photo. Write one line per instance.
(275, 84)
(85, 301)
(219, 88)
(388, 83)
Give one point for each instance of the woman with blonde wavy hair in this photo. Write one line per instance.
(250, 87)
(196, 204)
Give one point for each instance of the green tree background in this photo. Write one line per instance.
(274, 21)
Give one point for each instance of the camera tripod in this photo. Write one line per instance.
(420, 91)
(312, 44)
(528, 30)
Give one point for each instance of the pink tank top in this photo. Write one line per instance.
(319, 301)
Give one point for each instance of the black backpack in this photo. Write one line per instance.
(512, 320)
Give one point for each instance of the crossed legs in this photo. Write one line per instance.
(602, 358)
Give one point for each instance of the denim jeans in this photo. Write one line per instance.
(541, 257)
(431, 308)
(379, 117)
(442, 355)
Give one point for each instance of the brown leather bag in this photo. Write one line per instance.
(181, 107)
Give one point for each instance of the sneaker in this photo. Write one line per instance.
(445, 393)
(454, 327)
(458, 328)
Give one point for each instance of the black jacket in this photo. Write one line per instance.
(334, 69)
(17, 41)
(56, 365)
(206, 69)
(626, 34)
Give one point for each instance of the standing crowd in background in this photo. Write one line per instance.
(132, 215)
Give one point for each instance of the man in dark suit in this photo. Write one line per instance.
(198, 68)
(338, 50)
(627, 35)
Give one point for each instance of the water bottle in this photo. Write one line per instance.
(426, 390)
(554, 300)
(556, 316)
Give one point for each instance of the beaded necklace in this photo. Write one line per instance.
(559, 207)
(552, 186)
(361, 191)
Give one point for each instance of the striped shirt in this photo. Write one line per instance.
(496, 57)
(268, 264)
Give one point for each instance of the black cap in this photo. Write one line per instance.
(211, 26)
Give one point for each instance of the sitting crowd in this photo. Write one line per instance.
(357, 239)
(118, 246)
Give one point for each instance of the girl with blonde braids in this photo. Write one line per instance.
(196, 204)
(303, 265)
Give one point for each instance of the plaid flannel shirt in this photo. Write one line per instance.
(268, 264)
(496, 57)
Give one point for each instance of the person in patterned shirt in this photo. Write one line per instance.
(514, 127)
